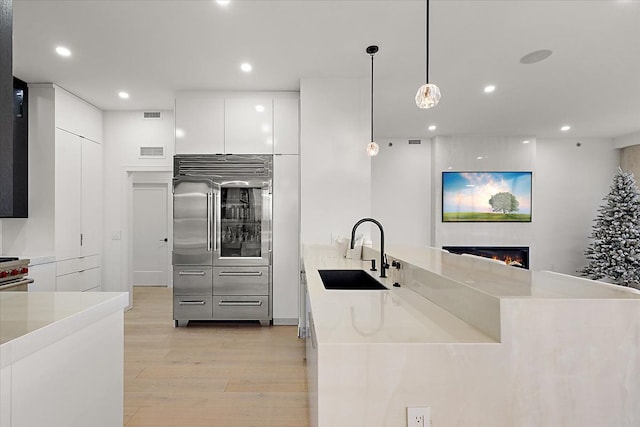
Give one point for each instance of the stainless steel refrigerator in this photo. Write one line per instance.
(222, 238)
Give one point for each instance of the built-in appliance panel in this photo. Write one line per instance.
(241, 307)
(192, 307)
(241, 281)
(192, 280)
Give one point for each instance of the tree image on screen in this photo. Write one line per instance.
(504, 202)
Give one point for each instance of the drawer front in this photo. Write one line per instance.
(193, 280)
(241, 280)
(241, 307)
(77, 264)
(192, 307)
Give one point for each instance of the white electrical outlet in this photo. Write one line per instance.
(419, 417)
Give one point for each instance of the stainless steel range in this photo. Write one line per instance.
(222, 238)
(13, 274)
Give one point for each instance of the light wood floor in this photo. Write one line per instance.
(209, 374)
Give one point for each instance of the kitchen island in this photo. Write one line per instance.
(61, 358)
(479, 343)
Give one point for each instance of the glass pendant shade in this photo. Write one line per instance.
(428, 96)
(372, 149)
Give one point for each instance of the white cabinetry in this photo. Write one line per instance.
(77, 204)
(286, 238)
(199, 123)
(286, 125)
(237, 123)
(248, 125)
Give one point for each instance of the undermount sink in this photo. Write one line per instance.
(349, 280)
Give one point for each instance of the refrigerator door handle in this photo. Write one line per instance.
(217, 212)
(240, 273)
(209, 210)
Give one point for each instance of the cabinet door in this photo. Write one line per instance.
(286, 125)
(286, 238)
(77, 116)
(67, 195)
(248, 125)
(91, 199)
(199, 124)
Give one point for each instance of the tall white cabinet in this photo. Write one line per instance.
(255, 123)
(73, 128)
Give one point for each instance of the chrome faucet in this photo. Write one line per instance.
(383, 264)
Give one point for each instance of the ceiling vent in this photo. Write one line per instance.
(152, 152)
(415, 141)
(152, 115)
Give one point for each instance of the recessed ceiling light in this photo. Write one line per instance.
(123, 95)
(179, 133)
(223, 2)
(246, 67)
(260, 108)
(450, 167)
(489, 88)
(537, 56)
(526, 141)
(63, 51)
(432, 127)
(479, 157)
(565, 128)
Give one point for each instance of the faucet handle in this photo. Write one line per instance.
(385, 263)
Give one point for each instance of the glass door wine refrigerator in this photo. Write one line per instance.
(222, 238)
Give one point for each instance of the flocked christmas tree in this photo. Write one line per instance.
(615, 250)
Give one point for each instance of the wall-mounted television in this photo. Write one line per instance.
(486, 196)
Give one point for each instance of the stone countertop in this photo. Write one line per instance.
(471, 290)
(30, 321)
(501, 281)
(396, 315)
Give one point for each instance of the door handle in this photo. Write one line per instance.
(191, 273)
(240, 273)
(191, 302)
(209, 209)
(241, 303)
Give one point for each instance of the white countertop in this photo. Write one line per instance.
(396, 315)
(32, 320)
(470, 287)
(508, 282)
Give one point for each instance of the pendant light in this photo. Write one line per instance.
(428, 94)
(372, 147)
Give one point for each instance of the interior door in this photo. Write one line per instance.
(150, 235)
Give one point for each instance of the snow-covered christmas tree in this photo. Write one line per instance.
(615, 250)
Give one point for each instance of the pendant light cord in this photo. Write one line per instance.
(372, 96)
(426, 43)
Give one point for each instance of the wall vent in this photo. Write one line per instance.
(152, 152)
(415, 141)
(151, 115)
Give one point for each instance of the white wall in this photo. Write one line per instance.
(124, 133)
(401, 192)
(498, 154)
(335, 169)
(571, 182)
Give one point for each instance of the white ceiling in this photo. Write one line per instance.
(153, 48)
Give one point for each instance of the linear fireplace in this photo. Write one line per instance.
(517, 256)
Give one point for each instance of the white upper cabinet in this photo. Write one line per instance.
(248, 125)
(199, 124)
(77, 116)
(237, 123)
(286, 125)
